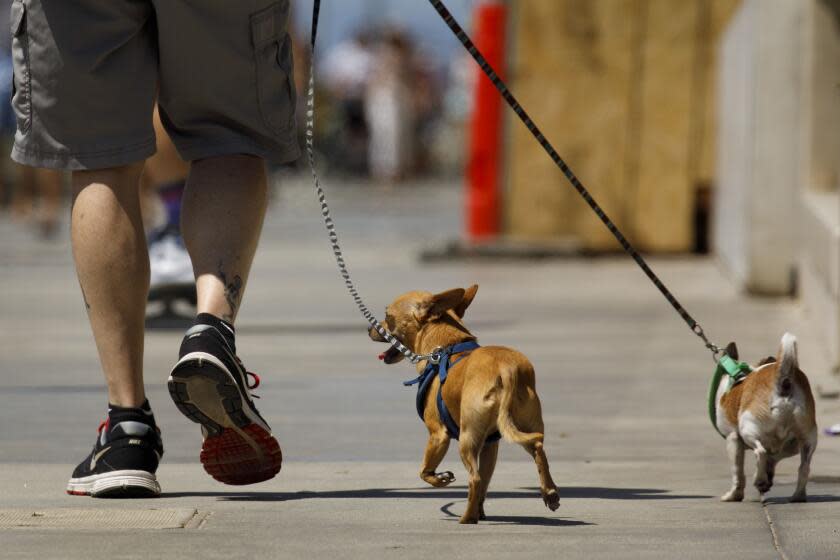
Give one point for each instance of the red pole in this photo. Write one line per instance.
(485, 141)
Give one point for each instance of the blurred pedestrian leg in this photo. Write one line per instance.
(162, 189)
(389, 112)
(37, 198)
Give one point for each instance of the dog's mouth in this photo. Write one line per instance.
(391, 355)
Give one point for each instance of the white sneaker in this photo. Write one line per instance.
(169, 261)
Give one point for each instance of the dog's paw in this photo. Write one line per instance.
(799, 497)
(734, 495)
(468, 520)
(439, 480)
(444, 478)
(447, 476)
(763, 485)
(552, 500)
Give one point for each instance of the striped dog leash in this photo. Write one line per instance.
(434, 357)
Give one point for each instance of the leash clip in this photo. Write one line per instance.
(711, 346)
(436, 355)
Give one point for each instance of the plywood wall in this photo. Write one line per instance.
(624, 90)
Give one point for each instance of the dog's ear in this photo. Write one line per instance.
(469, 294)
(732, 351)
(440, 303)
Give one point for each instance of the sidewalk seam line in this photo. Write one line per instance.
(776, 542)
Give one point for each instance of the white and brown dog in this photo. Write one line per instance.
(772, 413)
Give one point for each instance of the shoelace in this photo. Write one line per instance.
(256, 383)
(250, 375)
(256, 378)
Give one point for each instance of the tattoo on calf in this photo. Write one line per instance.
(233, 291)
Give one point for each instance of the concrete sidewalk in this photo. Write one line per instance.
(622, 380)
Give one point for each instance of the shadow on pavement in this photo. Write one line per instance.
(453, 492)
(623, 493)
(517, 520)
(787, 490)
(820, 498)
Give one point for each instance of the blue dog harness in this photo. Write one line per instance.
(441, 369)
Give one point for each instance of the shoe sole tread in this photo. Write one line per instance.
(237, 450)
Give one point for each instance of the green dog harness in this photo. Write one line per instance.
(737, 372)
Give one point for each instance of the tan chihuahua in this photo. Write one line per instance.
(488, 390)
(772, 413)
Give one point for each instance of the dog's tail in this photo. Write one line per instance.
(788, 361)
(510, 392)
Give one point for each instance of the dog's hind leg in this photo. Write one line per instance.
(735, 447)
(547, 487)
(761, 481)
(470, 445)
(436, 449)
(486, 466)
(805, 455)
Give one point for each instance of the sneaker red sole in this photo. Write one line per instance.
(244, 456)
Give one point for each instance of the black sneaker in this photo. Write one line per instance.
(210, 386)
(124, 459)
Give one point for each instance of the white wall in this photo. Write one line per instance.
(777, 205)
(819, 254)
(755, 231)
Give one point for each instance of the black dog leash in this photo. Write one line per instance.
(535, 131)
(546, 145)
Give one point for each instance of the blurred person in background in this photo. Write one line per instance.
(162, 188)
(36, 198)
(346, 73)
(389, 108)
(427, 107)
(447, 149)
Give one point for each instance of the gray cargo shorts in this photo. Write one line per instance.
(88, 72)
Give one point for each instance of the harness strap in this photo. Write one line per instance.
(441, 370)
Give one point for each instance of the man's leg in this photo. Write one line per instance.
(83, 103)
(221, 219)
(222, 215)
(109, 248)
(224, 203)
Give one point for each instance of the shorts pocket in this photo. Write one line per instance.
(274, 66)
(22, 78)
